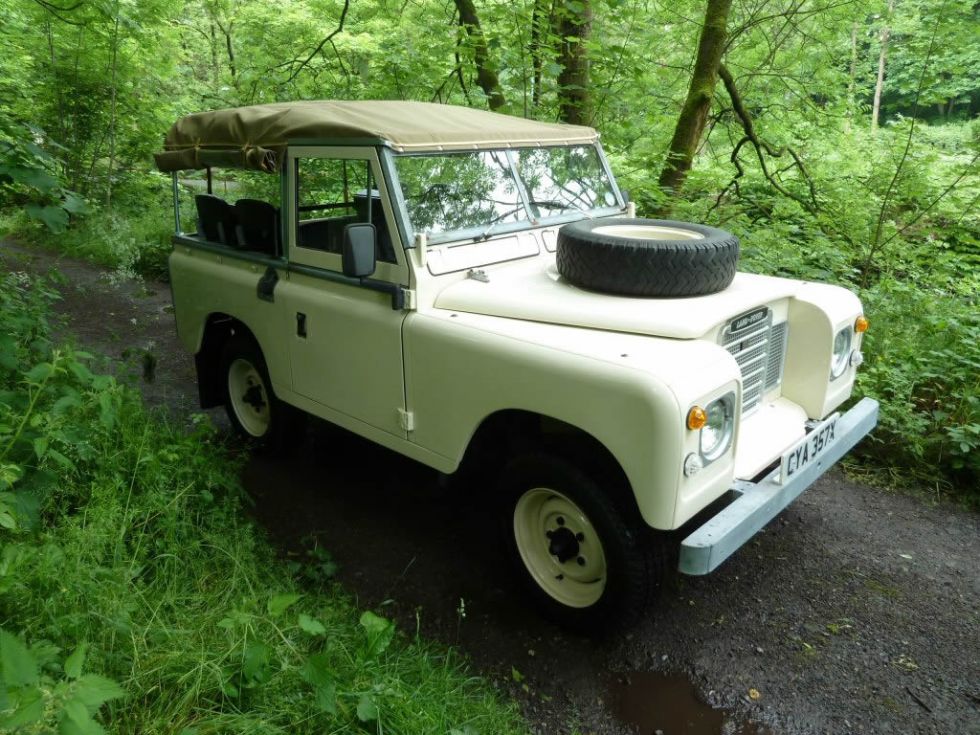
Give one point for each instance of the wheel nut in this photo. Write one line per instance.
(580, 537)
(560, 520)
(581, 561)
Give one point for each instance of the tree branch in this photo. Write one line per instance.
(324, 42)
(763, 148)
(57, 10)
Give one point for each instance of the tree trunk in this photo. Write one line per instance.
(112, 111)
(853, 79)
(215, 66)
(880, 83)
(539, 24)
(230, 49)
(694, 113)
(486, 72)
(574, 95)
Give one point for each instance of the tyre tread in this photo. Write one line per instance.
(635, 267)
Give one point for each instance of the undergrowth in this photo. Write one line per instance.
(131, 240)
(136, 597)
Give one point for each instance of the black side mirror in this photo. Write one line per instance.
(358, 256)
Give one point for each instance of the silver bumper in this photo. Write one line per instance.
(760, 502)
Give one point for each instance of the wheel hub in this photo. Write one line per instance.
(563, 544)
(248, 398)
(253, 397)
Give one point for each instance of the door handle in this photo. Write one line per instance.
(265, 289)
(301, 324)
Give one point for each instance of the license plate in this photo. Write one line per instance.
(809, 449)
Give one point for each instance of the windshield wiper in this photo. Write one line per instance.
(485, 235)
(555, 204)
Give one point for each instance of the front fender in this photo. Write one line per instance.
(630, 392)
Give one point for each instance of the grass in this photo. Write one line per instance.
(136, 594)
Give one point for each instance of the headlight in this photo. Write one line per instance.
(842, 353)
(719, 427)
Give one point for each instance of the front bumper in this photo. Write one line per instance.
(760, 502)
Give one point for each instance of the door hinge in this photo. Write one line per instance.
(406, 419)
(409, 299)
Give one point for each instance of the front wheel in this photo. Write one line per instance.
(587, 559)
(253, 409)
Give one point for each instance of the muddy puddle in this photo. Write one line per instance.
(668, 704)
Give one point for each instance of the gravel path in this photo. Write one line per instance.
(855, 611)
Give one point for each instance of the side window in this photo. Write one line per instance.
(332, 193)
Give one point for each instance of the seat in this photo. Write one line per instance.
(215, 219)
(258, 226)
(385, 249)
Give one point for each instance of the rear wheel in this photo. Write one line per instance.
(589, 563)
(253, 409)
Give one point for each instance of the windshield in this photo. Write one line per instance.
(476, 194)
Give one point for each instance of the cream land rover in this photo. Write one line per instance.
(462, 286)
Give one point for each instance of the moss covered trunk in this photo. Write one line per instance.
(574, 95)
(486, 72)
(694, 114)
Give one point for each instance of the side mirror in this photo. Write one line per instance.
(358, 255)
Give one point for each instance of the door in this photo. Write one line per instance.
(345, 350)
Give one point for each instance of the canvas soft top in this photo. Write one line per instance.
(255, 137)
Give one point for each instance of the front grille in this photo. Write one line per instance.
(777, 355)
(759, 350)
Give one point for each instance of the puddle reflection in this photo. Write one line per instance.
(668, 704)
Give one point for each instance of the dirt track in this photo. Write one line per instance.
(855, 611)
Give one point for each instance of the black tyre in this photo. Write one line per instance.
(588, 564)
(647, 257)
(264, 421)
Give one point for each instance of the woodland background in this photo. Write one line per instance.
(838, 138)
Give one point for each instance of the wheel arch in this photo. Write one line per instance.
(218, 328)
(508, 432)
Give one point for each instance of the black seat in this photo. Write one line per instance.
(258, 226)
(385, 249)
(215, 219)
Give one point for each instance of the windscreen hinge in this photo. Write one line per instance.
(406, 419)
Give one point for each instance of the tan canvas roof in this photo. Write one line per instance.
(255, 137)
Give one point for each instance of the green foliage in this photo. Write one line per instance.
(133, 238)
(944, 85)
(33, 700)
(136, 597)
(29, 178)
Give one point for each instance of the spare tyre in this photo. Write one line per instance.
(647, 257)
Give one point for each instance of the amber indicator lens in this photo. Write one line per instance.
(696, 418)
(861, 324)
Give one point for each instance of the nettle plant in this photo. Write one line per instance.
(39, 389)
(39, 691)
(29, 177)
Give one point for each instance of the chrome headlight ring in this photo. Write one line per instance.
(840, 359)
(719, 429)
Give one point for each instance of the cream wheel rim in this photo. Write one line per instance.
(560, 547)
(648, 232)
(249, 400)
